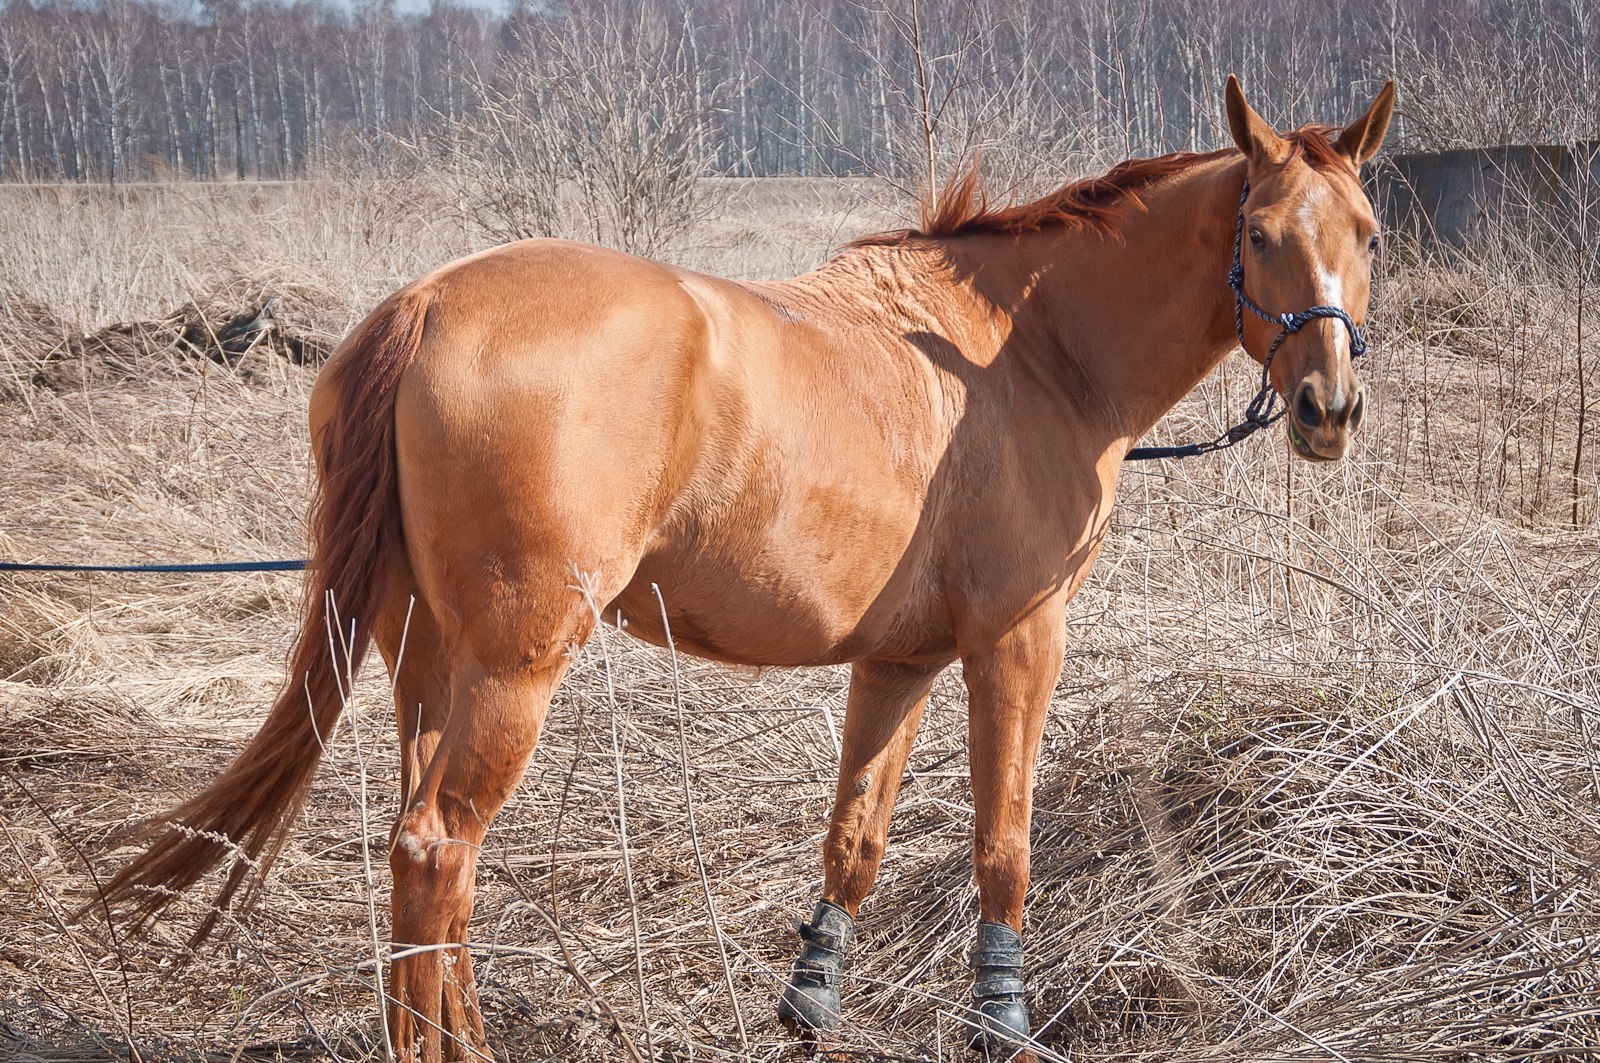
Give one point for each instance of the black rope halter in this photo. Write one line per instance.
(1264, 408)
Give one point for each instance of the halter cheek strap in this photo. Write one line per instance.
(1264, 408)
(1288, 324)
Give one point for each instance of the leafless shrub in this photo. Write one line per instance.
(590, 127)
(1505, 80)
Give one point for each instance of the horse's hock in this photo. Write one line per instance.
(1457, 198)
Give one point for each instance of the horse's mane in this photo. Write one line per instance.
(1094, 201)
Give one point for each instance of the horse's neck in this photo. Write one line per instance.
(1145, 312)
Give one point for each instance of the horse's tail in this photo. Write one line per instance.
(355, 533)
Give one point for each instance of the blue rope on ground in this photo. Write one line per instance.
(215, 566)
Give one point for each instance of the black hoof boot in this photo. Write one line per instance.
(998, 1020)
(811, 1000)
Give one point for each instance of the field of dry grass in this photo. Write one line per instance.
(1320, 781)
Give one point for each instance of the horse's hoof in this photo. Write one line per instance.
(999, 1026)
(998, 1020)
(807, 1008)
(810, 1002)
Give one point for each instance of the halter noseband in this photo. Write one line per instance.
(1263, 409)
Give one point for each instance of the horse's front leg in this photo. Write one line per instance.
(1009, 682)
(886, 701)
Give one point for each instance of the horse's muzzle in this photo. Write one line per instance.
(1320, 426)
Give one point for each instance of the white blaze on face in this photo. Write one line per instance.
(1329, 286)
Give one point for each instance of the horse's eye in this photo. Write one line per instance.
(1256, 239)
(1373, 244)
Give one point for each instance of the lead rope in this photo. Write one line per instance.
(211, 566)
(1264, 408)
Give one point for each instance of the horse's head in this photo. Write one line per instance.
(1306, 249)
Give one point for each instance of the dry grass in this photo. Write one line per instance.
(1319, 782)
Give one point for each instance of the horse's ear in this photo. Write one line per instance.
(1361, 138)
(1250, 131)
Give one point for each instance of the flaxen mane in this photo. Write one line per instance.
(964, 209)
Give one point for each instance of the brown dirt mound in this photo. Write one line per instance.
(45, 352)
(31, 337)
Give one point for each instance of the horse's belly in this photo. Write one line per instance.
(788, 611)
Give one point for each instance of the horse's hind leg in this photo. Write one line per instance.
(409, 639)
(500, 685)
(885, 706)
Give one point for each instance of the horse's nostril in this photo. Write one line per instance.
(1358, 409)
(1306, 408)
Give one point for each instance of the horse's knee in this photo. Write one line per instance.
(433, 872)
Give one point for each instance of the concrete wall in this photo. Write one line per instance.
(1450, 198)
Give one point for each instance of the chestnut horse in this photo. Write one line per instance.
(903, 459)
